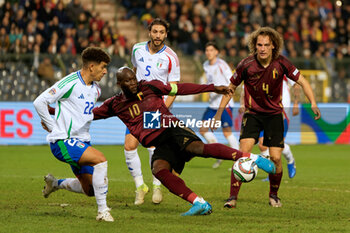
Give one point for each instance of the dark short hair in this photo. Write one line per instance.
(94, 54)
(212, 43)
(159, 21)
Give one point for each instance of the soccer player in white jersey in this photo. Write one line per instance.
(151, 60)
(75, 96)
(219, 73)
(287, 106)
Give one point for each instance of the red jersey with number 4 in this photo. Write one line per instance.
(263, 86)
(148, 99)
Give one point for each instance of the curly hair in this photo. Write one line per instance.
(274, 36)
(94, 54)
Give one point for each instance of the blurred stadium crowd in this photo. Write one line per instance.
(55, 28)
(312, 29)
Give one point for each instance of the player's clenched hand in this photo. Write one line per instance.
(317, 112)
(241, 109)
(295, 109)
(45, 127)
(223, 90)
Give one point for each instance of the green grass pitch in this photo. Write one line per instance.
(316, 200)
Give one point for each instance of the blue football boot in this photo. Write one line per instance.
(199, 209)
(266, 165)
(291, 169)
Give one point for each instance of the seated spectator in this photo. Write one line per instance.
(46, 71)
(4, 41)
(195, 46)
(73, 10)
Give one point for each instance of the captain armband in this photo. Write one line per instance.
(173, 89)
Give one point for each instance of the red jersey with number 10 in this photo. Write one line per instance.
(263, 86)
(148, 99)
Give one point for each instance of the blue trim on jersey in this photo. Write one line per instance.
(75, 151)
(81, 78)
(127, 131)
(226, 118)
(286, 126)
(161, 50)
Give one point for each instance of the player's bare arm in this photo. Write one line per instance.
(241, 102)
(224, 90)
(310, 95)
(296, 95)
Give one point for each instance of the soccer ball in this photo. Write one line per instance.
(245, 169)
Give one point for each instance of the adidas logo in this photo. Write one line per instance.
(141, 59)
(81, 97)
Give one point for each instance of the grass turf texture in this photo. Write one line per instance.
(316, 200)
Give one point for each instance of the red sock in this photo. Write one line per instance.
(220, 151)
(175, 185)
(275, 181)
(235, 186)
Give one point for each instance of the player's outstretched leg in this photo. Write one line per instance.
(52, 184)
(217, 150)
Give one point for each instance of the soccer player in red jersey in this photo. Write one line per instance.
(174, 144)
(262, 73)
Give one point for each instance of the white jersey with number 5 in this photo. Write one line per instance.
(74, 103)
(163, 65)
(217, 74)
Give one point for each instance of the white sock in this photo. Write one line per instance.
(254, 157)
(265, 153)
(233, 142)
(288, 153)
(133, 162)
(200, 199)
(210, 137)
(150, 152)
(100, 184)
(70, 184)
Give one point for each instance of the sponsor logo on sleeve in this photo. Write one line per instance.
(296, 71)
(52, 91)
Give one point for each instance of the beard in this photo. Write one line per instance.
(161, 42)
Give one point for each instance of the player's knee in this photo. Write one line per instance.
(276, 159)
(262, 148)
(195, 148)
(159, 165)
(100, 158)
(130, 146)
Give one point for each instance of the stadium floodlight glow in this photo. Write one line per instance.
(339, 3)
